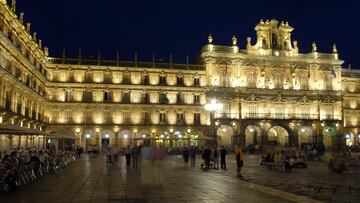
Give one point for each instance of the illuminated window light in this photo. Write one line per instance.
(126, 136)
(87, 136)
(107, 136)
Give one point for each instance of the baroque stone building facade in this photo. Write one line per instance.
(270, 93)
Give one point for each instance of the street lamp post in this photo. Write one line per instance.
(213, 107)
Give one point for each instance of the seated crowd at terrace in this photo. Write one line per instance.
(21, 166)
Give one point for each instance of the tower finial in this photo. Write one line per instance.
(21, 18)
(210, 39)
(34, 36)
(46, 51)
(13, 5)
(234, 41)
(28, 27)
(40, 44)
(314, 47)
(334, 49)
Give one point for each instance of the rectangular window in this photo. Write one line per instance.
(252, 111)
(87, 96)
(196, 81)
(304, 112)
(180, 118)
(145, 80)
(197, 119)
(196, 99)
(251, 79)
(162, 118)
(162, 80)
(278, 81)
(328, 112)
(180, 81)
(280, 112)
(163, 99)
(304, 82)
(126, 97)
(107, 97)
(146, 118)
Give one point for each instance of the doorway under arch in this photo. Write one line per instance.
(329, 134)
(278, 135)
(225, 134)
(305, 135)
(252, 135)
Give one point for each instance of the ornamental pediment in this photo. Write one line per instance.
(304, 99)
(252, 98)
(279, 98)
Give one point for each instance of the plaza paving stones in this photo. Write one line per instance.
(90, 179)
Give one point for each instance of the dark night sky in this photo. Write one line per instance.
(182, 27)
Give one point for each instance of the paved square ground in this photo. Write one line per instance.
(92, 180)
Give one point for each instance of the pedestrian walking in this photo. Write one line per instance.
(216, 157)
(186, 155)
(223, 154)
(127, 156)
(193, 156)
(135, 153)
(207, 157)
(239, 157)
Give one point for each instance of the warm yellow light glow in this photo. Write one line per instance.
(135, 130)
(1, 119)
(116, 129)
(171, 130)
(188, 130)
(87, 136)
(153, 130)
(77, 130)
(216, 123)
(97, 129)
(126, 136)
(144, 136)
(322, 124)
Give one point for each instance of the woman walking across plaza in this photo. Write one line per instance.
(239, 157)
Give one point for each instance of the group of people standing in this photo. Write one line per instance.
(211, 156)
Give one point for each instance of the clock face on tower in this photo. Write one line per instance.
(276, 53)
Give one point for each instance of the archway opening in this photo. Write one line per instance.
(278, 135)
(252, 135)
(225, 134)
(329, 136)
(305, 135)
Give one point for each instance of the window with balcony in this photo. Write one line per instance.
(280, 112)
(196, 99)
(329, 112)
(278, 81)
(163, 99)
(125, 97)
(162, 80)
(87, 96)
(197, 120)
(180, 118)
(304, 82)
(146, 119)
(162, 118)
(179, 81)
(196, 81)
(178, 98)
(145, 79)
(252, 112)
(304, 111)
(107, 97)
(251, 79)
(146, 99)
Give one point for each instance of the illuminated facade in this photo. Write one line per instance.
(269, 91)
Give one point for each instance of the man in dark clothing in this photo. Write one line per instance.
(127, 155)
(192, 156)
(207, 156)
(186, 155)
(222, 157)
